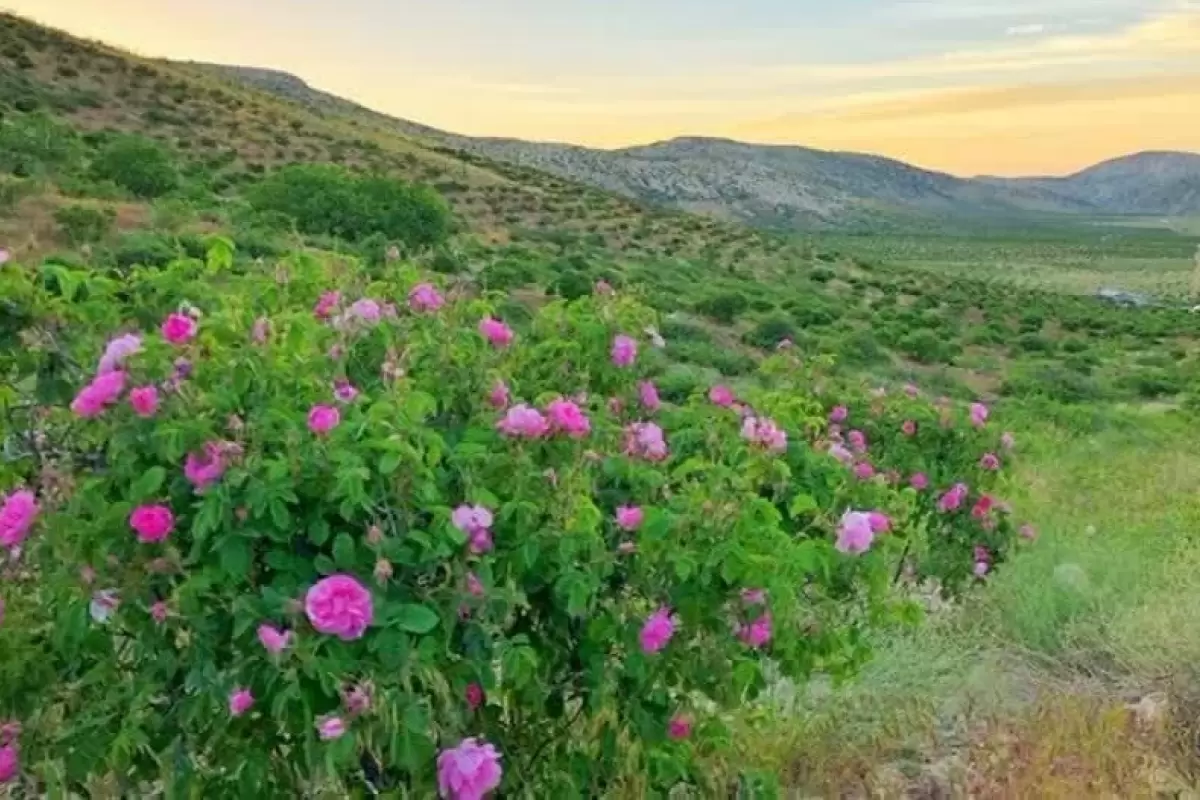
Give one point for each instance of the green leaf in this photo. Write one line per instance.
(801, 504)
(318, 532)
(415, 619)
(235, 556)
(389, 463)
(148, 485)
(343, 551)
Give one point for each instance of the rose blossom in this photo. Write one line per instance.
(339, 605)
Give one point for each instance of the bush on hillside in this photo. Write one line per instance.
(330, 200)
(291, 535)
(36, 145)
(139, 165)
(84, 224)
(725, 307)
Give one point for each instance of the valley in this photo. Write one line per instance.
(592, 455)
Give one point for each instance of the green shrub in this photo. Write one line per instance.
(771, 331)
(928, 347)
(532, 637)
(139, 165)
(84, 224)
(145, 249)
(330, 200)
(37, 144)
(725, 307)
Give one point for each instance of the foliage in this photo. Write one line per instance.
(137, 164)
(549, 619)
(327, 199)
(82, 224)
(37, 144)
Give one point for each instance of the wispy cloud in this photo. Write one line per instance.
(1029, 29)
(1173, 37)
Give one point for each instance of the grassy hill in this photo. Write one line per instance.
(969, 313)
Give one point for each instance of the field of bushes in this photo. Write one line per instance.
(333, 465)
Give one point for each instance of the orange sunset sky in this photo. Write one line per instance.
(969, 86)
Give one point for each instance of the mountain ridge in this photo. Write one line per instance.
(794, 186)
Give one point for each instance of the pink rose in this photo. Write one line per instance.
(357, 698)
(144, 400)
(629, 518)
(17, 514)
(152, 523)
(424, 298)
(657, 631)
(979, 414)
(274, 640)
(327, 304)
(322, 419)
(855, 533)
(103, 391)
(496, 332)
(566, 417)
(624, 351)
(339, 605)
(474, 696)
(764, 433)
(839, 414)
(468, 771)
(179, 329)
(499, 395)
(721, 395)
(331, 727)
(645, 440)
(10, 763)
(919, 481)
(365, 310)
(205, 469)
(521, 421)
(648, 394)
(240, 702)
(117, 351)
(344, 391)
(758, 632)
(680, 727)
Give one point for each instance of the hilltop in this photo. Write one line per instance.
(790, 186)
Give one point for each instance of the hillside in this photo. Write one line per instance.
(236, 134)
(797, 187)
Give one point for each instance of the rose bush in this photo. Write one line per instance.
(501, 561)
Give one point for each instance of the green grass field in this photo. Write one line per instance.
(1032, 688)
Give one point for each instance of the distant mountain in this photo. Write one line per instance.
(797, 187)
(1157, 183)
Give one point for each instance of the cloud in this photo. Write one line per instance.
(1173, 37)
(974, 10)
(1030, 29)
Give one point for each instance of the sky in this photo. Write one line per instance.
(1001, 87)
